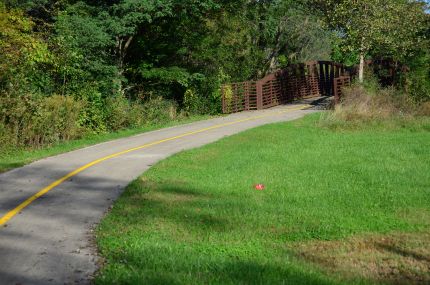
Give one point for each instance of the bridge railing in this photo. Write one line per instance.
(310, 79)
(339, 84)
(240, 96)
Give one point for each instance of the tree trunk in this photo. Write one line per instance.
(361, 69)
(121, 54)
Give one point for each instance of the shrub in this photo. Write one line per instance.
(418, 86)
(118, 113)
(136, 115)
(417, 81)
(387, 107)
(123, 114)
(93, 115)
(6, 139)
(424, 109)
(228, 97)
(33, 120)
(360, 104)
(158, 110)
(191, 101)
(57, 119)
(194, 103)
(16, 115)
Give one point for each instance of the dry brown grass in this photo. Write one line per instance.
(397, 258)
(361, 104)
(364, 107)
(424, 109)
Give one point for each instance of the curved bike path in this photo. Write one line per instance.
(48, 209)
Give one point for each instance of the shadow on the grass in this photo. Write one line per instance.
(193, 254)
(227, 272)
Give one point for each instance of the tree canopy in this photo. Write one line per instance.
(384, 28)
(112, 57)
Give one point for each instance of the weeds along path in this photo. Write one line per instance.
(49, 208)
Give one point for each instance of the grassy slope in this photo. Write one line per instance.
(20, 157)
(195, 217)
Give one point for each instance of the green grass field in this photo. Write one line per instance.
(19, 157)
(336, 204)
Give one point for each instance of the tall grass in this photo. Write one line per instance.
(36, 121)
(363, 106)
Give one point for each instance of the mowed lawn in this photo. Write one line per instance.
(339, 207)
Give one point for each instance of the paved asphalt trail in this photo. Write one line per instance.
(49, 242)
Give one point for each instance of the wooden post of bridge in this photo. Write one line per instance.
(259, 95)
(246, 95)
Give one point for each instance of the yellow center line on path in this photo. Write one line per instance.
(45, 190)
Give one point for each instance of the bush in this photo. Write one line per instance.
(118, 113)
(360, 104)
(417, 81)
(57, 120)
(16, 115)
(424, 109)
(93, 116)
(387, 107)
(418, 86)
(136, 115)
(194, 103)
(32, 120)
(6, 139)
(115, 113)
(158, 110)
(228, 97)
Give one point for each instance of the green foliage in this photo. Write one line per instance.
(6, 138)
(22, 52)
(36, 121)
(385, 28)
(417, 79)
(123, 114)
(100, 114)
(93, 115)
(228, 97)
(83, 42)
(339, 54)
(32, 120)
(158, 110)
(191, 102)
(168, 75)
(369, 24)
(291, 34)
(118, 113)
(419, 86)
(118, 59)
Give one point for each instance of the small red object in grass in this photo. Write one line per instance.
(259, 187)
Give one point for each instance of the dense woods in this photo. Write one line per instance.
(69, 68)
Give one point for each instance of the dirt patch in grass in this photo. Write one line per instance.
(391, 259)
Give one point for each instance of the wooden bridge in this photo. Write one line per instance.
(310, 79)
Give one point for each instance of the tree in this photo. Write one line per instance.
(292, 34)
(21, 50)
(387, 27)
(82, 45)
(125, 19)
